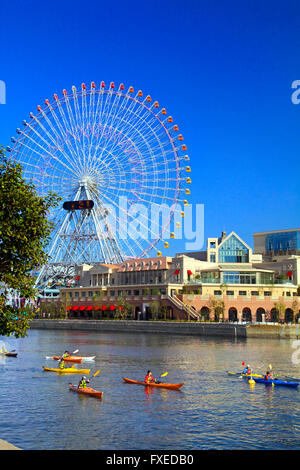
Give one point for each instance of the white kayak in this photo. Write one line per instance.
(84, 358)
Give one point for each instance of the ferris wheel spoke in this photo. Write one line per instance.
(64, 138)
(56, 140)
(144, 226)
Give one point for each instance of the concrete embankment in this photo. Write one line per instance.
(273, 331)
(233, 330)
(162, 327)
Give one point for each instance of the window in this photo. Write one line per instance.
(234, 277)
(282, 241)
(254, 292)
(212, 244)
(288, 294)
(217, 292)
(212, 258)
(233, 251)
(112, 293)
(230, 292)
(266, 278)
(70, 294)
(136, 292)
(242, 292)
(90, 293)
(83, 294)
(267, 293)
(76, 294)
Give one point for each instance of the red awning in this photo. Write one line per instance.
(177, 272)
(97, 307)
(120, 307)
(75, 307)
(69, 307)
(82, 307)
(112, 307)
(89, 307)
(104, 307)
(189, 272)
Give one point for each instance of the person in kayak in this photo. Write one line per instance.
(150, 379)
(66, 354)
(83, 382)
(62, 364)
(269, 375)
(247, 370)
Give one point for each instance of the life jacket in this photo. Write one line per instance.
(148, 379)
(82, 384)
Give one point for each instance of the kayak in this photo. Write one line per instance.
(76, 359)
(9, 354)
(161, 385)
(294, 379)
(240, 374)
(86, 391)
(68, 370)
(275, 382)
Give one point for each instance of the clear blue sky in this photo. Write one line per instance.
(222, 69)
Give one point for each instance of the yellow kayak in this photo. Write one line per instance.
(68, 370)
(240, 374)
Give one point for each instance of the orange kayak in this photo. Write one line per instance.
(69, 359)
(161, 385)
(86, 391)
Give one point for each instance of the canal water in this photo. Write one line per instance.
(212, 411)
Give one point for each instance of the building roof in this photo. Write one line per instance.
(277, 231)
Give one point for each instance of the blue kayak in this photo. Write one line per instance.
(275, 382)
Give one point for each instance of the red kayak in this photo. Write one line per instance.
(152, 384)
(69, 359)
(86, 391)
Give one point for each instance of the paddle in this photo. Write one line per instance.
(95, 374)
(162, 375)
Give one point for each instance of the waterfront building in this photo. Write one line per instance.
(280, 251)
(226, 282)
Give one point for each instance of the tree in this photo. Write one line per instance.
(24, 234)
(154, 307)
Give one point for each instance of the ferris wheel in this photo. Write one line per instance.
(116, 158)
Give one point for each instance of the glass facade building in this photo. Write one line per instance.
(233, 251)
(282, 241)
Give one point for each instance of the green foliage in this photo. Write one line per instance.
(24, 235)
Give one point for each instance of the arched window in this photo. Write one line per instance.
(232, 314)
(247, 314)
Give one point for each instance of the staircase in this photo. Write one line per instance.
(191, 313)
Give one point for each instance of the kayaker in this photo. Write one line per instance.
(269, 375)
(62, 364)
(247, 370)
(66, 354)
(83, 382)
(149, 377)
